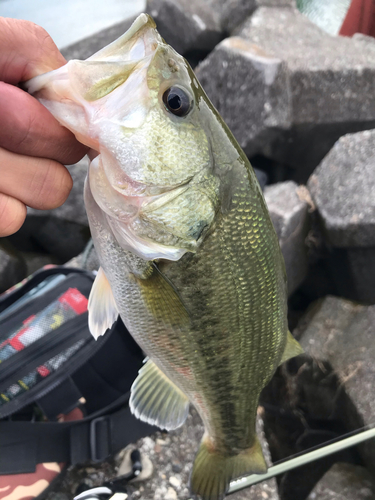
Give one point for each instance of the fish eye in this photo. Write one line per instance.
(177, 101)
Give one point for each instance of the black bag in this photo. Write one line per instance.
(50, 364)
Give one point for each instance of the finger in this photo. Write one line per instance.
(28, 128)
(12, 215)
(27, 50)
(37, 182)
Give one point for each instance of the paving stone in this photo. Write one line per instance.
(345, 482)
(288, 90)
(342, 333)
(187, 25)
(12, 266)
(289, 212)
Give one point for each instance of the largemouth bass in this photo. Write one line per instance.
(189, 257)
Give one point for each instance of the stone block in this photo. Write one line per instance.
(289, 213)
(345, 482)
(187, 25)
(342, 334)
(288, 90)
(342, 188)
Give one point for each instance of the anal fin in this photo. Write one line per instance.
(156, 400)
(292, 348)
(102, 306)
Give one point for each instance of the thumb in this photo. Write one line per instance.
(27, 50)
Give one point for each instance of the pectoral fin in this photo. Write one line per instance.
(292, 348)
(156, 400)
(102, 306)
(162, 300)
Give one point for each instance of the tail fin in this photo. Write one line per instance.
(213, 471)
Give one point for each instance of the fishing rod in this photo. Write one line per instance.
(302, 459)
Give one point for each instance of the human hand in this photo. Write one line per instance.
(33, 145)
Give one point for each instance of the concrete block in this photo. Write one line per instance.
(342, 188)
(288, 90)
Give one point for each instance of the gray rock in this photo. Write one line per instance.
(288, 90)
(342, 333)
(12, 266)
(88, 46)
(187, 25)
(343, 188)
(289, 211)
(344, 482)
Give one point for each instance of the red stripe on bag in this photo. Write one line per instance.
(75, 299)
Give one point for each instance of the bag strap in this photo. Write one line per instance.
(25, 444)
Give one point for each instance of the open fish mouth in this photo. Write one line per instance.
(84, 93)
